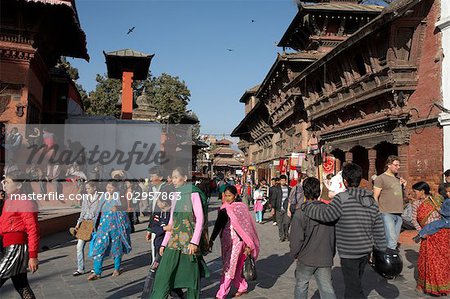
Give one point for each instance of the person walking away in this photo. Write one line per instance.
(19, 230)
(312, 244)
(388, 192)
(238, 239)
(88, 211)
(359, 227)
(296, 196)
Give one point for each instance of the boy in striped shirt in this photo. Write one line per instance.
(358, 228)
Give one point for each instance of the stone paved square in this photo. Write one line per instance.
(275, 270)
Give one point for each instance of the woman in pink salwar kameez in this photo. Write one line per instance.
(238, 238)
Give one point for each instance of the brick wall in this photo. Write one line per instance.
(429, 70)
(425, 157)
(425, 151)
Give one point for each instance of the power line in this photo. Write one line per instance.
(216, 134)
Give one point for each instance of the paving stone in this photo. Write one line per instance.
(275, 272)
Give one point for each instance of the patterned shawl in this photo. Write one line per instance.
(243, 223)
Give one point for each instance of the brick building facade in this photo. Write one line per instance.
(365, 95)
(34, 87)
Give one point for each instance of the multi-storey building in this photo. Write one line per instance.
(368, 90)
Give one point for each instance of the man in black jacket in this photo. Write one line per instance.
(280, 202)
(312, 245)
(358, 228)
(274, 182)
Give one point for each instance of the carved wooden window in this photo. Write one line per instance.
(360, 64)
(403, 43)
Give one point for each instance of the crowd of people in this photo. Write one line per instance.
(317, 218)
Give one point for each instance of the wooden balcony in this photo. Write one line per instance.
(363, 89)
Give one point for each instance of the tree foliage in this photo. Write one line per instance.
(103, 100)
(195, 127)
(168, 95)
(73, 73)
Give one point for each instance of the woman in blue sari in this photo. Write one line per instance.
(112, 236)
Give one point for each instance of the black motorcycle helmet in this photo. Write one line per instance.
(387, 264)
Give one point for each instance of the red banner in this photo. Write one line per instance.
(282, 166)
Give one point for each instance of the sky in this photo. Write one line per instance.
(190, 39)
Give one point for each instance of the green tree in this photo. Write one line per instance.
(168, 95)
(103, 100)
(195, 127)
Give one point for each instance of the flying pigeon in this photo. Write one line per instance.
(130, 30)
(230, 50)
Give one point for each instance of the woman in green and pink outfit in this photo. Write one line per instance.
(181, 262)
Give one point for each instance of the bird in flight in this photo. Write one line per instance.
(130, 30)
(230, 50)
(253, 21)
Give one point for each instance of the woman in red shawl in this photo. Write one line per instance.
(434, 254)
(238, 238)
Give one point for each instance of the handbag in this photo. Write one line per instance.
(249, 271)
(84, 232)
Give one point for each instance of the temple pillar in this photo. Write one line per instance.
(127, 95)
(403, 156)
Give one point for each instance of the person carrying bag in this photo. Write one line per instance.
(83, 231)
